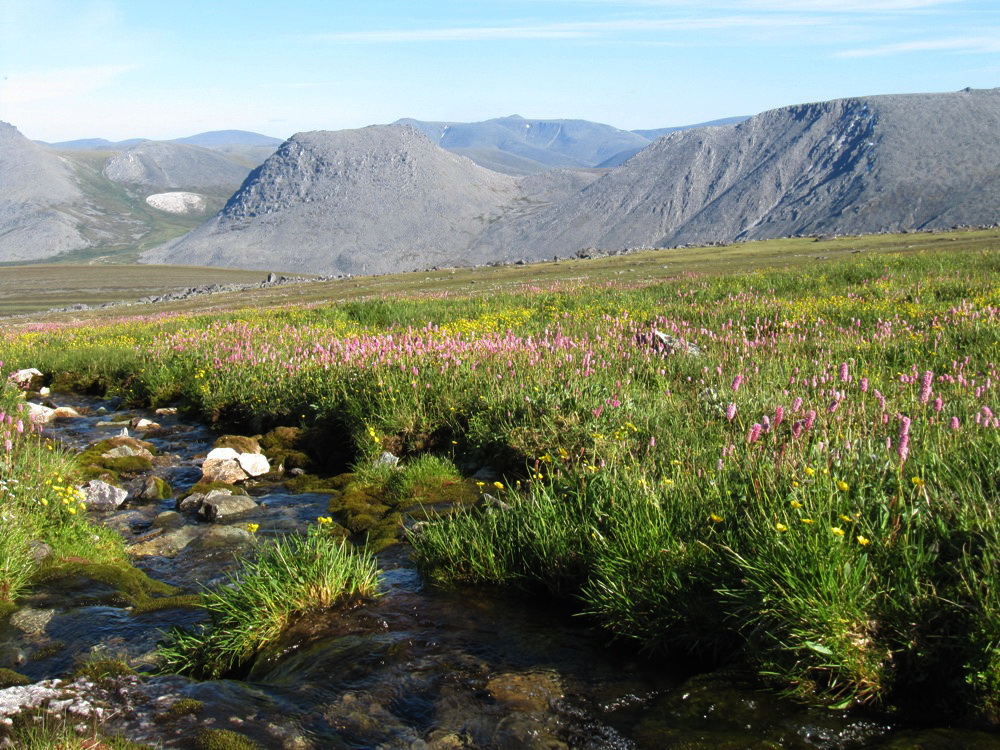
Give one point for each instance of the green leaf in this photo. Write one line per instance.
(819, 648)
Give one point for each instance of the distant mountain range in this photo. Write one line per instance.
(516, 146)
(401, 196)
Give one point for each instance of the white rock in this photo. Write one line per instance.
(254, 464)
(221, 454)
(40, 414)
(65, 412)
(25, 378)
(103, 496)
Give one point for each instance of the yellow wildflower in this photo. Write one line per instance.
(810, 471)
(863, 541)
(252, 527)
(807, 520)
(780, 527)
(498, 485)
(918, 482)
(837, 531)
(715, 518)
(842, 485)
(795, 504)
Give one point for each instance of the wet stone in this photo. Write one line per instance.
(32, 621)
(168, 519)
(218, 506)
(221, 537)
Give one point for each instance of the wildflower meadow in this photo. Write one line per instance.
(794, 471)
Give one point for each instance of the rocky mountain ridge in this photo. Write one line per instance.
(386, 198)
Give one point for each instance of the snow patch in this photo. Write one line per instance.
(178, 202)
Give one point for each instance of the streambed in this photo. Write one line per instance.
(423, 666)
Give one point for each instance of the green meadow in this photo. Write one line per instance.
(780, 455)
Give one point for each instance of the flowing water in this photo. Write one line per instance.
(421, 667)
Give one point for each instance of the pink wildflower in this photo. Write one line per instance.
(754, 433)
(736, 382)
(925, 386)
(731, 411)
(955, 424)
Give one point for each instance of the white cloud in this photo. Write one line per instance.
(48, 85)
(974, 45)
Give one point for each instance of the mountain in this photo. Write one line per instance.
(226, 138)
(373, 200)
(387, 198)
(162, 165)
(39, 200)
(652, 135)
(61, 204)
(517, 146)
(623, 156)
(92, 144)
(850, 166)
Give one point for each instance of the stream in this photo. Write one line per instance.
(422, 667)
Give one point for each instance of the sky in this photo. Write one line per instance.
(143, 68)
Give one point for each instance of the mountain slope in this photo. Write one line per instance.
(162, 165)
(39, 200)
(869, 164)
(373, 200)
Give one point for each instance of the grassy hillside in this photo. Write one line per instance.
(35, 288)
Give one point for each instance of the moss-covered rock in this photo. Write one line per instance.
(180, 709)
(135, 587)
(223, 739)
(10, 678)
(238, 443)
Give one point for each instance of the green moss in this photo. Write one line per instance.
(360, 522)
(103, 669)
(377, 545)
(281, 438)
(163, 490)
(190, 601)
(283, 447)
(180, 709)
(127, 464)
(337, 531)
(223, 739)
(136, 587)
(47, 650)
(310, 483)
(238, 443)
(7, 609)
(10, 678)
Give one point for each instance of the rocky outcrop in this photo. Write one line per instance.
(374, 200)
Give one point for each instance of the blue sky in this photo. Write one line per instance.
(165, 69)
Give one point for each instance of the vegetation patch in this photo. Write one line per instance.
(284, 581)
(792, 471)
(223, 739)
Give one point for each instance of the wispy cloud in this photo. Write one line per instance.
(579, 30)
(47, 85)
(787, 6)
(971, 45)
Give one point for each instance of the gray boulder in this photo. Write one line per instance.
(103, 496)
